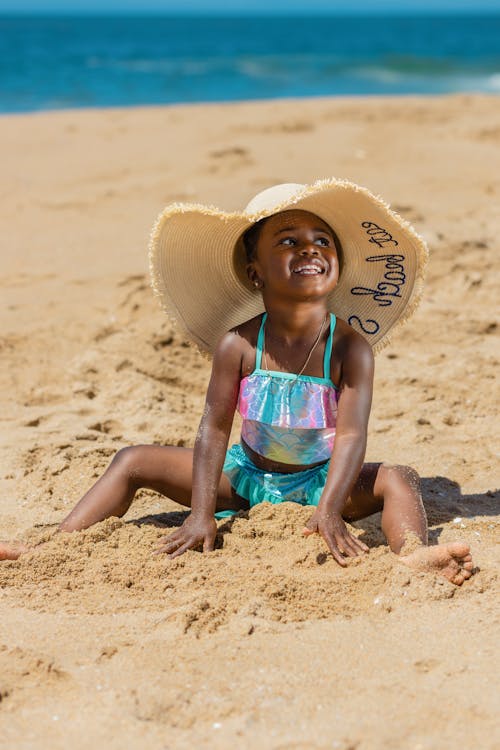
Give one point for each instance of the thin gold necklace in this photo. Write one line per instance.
(318, 337)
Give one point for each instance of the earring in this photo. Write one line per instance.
(256, 284)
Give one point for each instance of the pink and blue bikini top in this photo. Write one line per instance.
(286, 417)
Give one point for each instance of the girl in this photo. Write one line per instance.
(300, 377)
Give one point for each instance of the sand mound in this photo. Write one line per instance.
(263, 570)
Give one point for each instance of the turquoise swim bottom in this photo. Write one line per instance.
(259, 486)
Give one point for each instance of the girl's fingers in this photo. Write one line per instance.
(335, 552)
(338, 557)
(170, 544)
(180, 551)
(170, 537)
(359, 543)
(349, 547)
(311, 526)
(343, 545)
(307, 530)
(165, 548)
(177, 539)
(175, 547)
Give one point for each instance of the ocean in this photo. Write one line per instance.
(65, 62)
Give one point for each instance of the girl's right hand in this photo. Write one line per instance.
(194, 532)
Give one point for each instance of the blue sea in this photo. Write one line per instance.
(64, 62)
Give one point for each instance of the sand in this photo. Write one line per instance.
(266, 642)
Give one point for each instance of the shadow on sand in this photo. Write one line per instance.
(443, 500)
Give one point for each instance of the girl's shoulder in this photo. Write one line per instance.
(350, 350)
(249, 330)
(247, 334)
(240, 343)
(346, 339)
(242, 333)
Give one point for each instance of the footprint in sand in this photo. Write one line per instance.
(138, 291)
(107, 426)
(488, 134)
(227, 160)
(426, 665)
(133, 279)
(160, 342)
(105, 333)
(27, 669)
(291, 126)
(285, 126)
(409, 212)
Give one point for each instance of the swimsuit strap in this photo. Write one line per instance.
(328, 348)
(260, 343)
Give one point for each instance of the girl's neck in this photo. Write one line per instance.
(295, 322)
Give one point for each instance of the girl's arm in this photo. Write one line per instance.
(210, 449)
(349, 449)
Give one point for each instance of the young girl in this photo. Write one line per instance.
(300, 377)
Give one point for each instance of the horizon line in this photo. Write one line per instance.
(245, 13)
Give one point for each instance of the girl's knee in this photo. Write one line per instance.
(398, 477)
(128, 461)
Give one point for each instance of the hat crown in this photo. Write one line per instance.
(274, 196)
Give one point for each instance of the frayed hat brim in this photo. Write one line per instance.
(197, 266)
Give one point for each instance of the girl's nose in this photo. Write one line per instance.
(309, 249)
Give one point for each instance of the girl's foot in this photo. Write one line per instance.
(12, 550)
(453, 561)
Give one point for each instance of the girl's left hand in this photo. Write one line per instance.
(331, 526)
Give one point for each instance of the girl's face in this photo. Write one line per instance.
(296, 253)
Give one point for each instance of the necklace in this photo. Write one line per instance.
(316, 342)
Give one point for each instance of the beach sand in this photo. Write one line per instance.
(266, 642)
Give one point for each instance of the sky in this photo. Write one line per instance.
(243, 6)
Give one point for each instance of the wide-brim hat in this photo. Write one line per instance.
(198, 262)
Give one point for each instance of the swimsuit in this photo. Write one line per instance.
(287, 418)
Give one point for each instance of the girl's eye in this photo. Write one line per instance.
(292, 241)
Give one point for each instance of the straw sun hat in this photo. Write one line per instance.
(198, 261)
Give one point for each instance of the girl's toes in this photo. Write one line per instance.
(458, 579)
(469, 565)
(466, 574)
(459, 549)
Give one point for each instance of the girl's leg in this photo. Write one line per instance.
(165, 469)
(395, 491)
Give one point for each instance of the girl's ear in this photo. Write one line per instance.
(254, 277)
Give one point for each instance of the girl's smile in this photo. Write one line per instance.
(309, 268)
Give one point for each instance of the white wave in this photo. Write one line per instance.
(494, 82)
(168, 66)
(380, 75)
